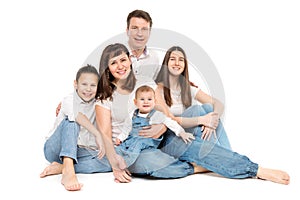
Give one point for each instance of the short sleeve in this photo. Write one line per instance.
(67, 108)
(105, 104)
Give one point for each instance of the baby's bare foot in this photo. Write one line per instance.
(273, 175)
(53, 169)
(69, 180)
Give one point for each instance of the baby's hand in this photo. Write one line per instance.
(118, 142)
(187, 137)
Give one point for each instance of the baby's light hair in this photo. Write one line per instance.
(144, 88)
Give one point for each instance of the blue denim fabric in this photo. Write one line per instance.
(150, 162)
(134, 144)
(200, 110)
(209, 155)
(63, 143)
(155, 163)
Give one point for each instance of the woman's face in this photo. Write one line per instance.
(119, 66)
(176, 63)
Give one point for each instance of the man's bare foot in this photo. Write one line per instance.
(53, 169)
(198, 169)
(273, 175)
(70, 182)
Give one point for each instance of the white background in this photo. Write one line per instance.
(254, 45)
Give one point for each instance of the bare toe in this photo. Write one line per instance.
(53, 169)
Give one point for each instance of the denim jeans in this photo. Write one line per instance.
(209, 155)
(63, 143)
(150, 162)
(200, 110)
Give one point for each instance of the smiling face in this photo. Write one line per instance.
(138, 33)
(145, 101)
(86, 86)
(119, 66)
(176, 63)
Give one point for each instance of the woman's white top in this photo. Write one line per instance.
(122, 107)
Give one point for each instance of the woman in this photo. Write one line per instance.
(176, 96)
(113, 115)
(116, 92)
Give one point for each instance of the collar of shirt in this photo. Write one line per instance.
(145, 54)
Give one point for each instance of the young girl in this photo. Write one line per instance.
(178, 97)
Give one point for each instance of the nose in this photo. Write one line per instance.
(120, 66)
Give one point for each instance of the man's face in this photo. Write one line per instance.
(138, 33)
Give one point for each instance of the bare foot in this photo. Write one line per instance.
(198, 169)
(69, 180)
(273, 175)
(53, 169)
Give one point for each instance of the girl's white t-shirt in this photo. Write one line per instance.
(177, 107)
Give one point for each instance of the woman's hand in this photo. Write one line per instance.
(153, 131)
(120, 171)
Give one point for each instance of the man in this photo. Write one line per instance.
(145, 62)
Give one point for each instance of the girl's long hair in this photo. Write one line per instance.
(163, 79)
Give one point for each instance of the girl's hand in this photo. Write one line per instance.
(207, 132)
(101, 147)
(210, 120)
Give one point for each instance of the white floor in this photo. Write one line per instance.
(21, 179)
(255, 47)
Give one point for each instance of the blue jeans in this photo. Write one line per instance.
(209, 155)
(201, 110)
(63, 143)
(151, 162)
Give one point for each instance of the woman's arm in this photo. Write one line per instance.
(209, 120)
(103, 119)
(203, 98)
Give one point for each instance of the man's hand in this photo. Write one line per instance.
(58, 109)
(153, 131)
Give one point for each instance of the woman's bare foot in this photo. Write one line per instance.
(53, 169)
(273, 175)
(70, 182)
(198, 169)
